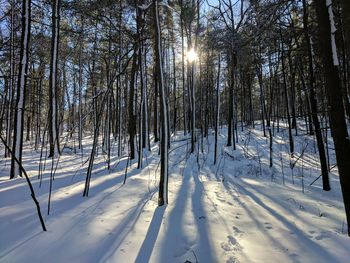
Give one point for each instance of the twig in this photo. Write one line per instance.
(315, 180)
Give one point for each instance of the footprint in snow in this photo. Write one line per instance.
(226, 246)
(268, 225)
(230, 245)
(232, 240)
(237, 230)
(232, 260)
(322, 235)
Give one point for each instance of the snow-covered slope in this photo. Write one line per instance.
(236, 211)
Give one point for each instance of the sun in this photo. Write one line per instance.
(191, 55)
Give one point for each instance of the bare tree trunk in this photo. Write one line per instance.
(262, 97)
(132, 115)
(140, 27)
(333, 88)
(286, 97)
(217, 110)
(11, 88)
(346, 23)
(53, 108)
(174, 85)
(313, 104)
(183, 72)
(21, 91)
(80, 95)
(163, 183)
(155, 105)
(230, 130)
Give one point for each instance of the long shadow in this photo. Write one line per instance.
(243, 189)
(103, 246)
(19, 245)
(28, 220)
(121, 232)
(175, 224)
(205, 254)
(291, 211)
(254, 217)
(301, 236)
(76, 199)
(147, 247)
(27, 224)
(63, 183)
(324, 199)
(66, 173)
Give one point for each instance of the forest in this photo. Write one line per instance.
(175, 131)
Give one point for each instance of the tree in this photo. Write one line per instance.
(163, 182)
(217, 110)
(53, 94)
(336, 114)
(313, 103)
(21, 90)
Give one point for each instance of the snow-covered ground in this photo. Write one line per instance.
(236, 211)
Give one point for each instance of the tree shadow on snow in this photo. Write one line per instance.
(179, 240)
(300, 236)
(147, 246)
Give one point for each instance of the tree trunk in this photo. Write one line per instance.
(291, 141)
(217, 111)
(333, 89)
(132, 115)
(163, 183)
(21, 90)
(313, 104)
(53, 107)
(230, 129)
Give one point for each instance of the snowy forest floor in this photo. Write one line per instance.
(235, 211)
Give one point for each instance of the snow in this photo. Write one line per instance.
(333, 30)
(235, 211)
(145, 7)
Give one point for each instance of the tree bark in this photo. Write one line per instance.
(163, 182)
(313, 104)
(21, 91)
(336, 109)
(53, 89)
